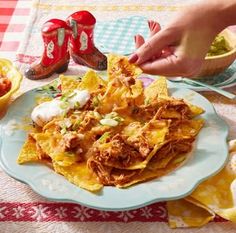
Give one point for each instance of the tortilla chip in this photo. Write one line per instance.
(128, 92)
(137, 93)
(154, 132)
(145, 175)
(50, 145)
(194, 110)
(119, 66)
(187, 129)
(91, 81)
(132, 129)
(69, 83)
(29, 152)
(171, 114)
(157, 89)
(80, 175)
(112, 94)
(127, 96)
(148, 173)
(162, 163)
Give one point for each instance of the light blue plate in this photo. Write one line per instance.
(209, 157)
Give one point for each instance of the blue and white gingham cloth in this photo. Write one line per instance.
(118, 36)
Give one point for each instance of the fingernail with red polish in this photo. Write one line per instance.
(133, 58)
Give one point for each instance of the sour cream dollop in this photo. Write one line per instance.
(80, 97)
(45, 112)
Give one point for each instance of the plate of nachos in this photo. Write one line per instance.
(112, 143)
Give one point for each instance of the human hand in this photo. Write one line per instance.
(180, 48)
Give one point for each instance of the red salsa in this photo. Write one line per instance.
(5, 85)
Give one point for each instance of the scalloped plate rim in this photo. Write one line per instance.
(190, 187)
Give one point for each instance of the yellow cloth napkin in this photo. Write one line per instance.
(216, 195)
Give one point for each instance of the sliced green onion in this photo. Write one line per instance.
(111, 115)
(109, 122)
(104, 137)
(95, 101)
(64, 105)
(63, 130)
(76, 125)
(119, 119)
(77, 105)
(71, 95)
(67, 123)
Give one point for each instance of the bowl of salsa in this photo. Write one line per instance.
(10, 79)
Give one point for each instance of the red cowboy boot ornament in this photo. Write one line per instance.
(55, 58)
(81, 45)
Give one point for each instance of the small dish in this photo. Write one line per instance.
(8, 70)
(217, 64)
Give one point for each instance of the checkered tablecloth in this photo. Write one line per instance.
(21, 210)
(109, 36)
(13, 18)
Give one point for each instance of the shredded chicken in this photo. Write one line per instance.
(128, 81)
(161, 109)
(100, 130)
(121, 177)
(72, 140)
(174, 147)
(88, 121)
(102, 171)
(111, 176)
(140, 143)
(119, 154)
